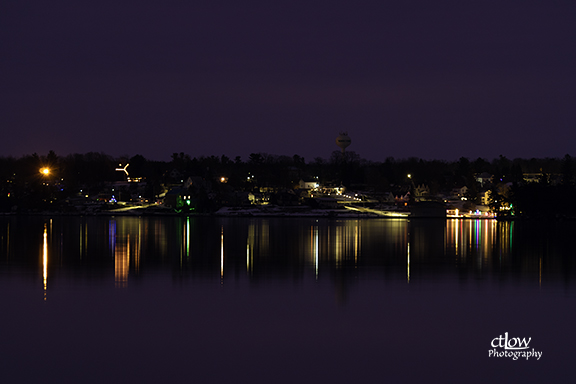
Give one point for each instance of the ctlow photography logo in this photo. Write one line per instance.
(514, 347)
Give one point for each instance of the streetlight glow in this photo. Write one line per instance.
(45, 171)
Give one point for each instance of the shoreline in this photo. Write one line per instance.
(257, 212)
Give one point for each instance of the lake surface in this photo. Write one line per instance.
(269, 300)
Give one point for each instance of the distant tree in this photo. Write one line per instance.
(463, 168)
(256, 158)
(137, 166)
(544, 178)
(567, 170)
(51, 159)
(298, 161)
(480, 165)
(501, 169)
(339, 157)
(516, 174)
(180, 161)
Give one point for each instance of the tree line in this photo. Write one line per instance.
(22, 184)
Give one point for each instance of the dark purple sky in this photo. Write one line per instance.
(437, 80)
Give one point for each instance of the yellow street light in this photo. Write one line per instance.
(45, 171)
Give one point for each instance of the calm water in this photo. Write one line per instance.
(171, 299)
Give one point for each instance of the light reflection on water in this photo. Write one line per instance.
(264, 248)
(45, 259)
(365, 300)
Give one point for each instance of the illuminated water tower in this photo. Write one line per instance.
(343, 141)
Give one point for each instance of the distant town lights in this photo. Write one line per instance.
(123, 169)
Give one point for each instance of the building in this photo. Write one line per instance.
(308, 183)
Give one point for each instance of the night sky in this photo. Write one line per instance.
(431, 79)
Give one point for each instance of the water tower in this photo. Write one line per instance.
(343, 140)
